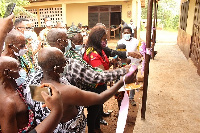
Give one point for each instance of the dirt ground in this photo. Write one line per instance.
(173, 93)
(111, 104)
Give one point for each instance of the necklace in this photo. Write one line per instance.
(31, 116)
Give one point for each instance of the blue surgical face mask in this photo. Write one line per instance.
(68, 46)
(127, 37)
(78, 47)
(22, 78)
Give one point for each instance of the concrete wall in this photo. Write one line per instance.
(184, 41)
(184, 37)
(77, 11)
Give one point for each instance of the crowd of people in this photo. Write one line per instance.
(76, 67)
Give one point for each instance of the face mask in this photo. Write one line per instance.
(48, 23)
(21, 79)
(28, 34)
(78, 47)
(127, 37)
(65, 71)
(22, 52)
(68, 46)
(103, 44)
(15, 53)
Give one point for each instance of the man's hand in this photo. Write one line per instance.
(135, 55)
(53, 102)
(6, 24)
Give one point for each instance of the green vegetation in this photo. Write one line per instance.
(18, 8)
(168, 13)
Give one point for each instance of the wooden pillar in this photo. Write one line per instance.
(147, 58)
(154, 29)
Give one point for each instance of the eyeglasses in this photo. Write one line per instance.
(29, 28)
(21, 46)
(6, 71)
(59, 40)
(23, 28)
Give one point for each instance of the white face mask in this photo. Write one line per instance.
(78, 47)
(64, 72)
(22, 52)
(21, 79)
(127, 36)
(28, 34)
(68, 46)
(15, 53)
(48, 23)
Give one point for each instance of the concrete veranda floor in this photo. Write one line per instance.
(173, 101)
(173, 94)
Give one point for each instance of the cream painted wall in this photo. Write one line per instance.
(64, 13)
(190, 19)
(79, 12)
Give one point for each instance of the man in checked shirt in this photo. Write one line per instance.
(77, 72)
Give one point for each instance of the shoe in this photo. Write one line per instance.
(102, 121)
(155, 52)
(106, 114)
(133, 103)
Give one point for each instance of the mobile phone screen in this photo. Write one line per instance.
(36, 92)
(9, 9)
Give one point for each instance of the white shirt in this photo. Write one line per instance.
(131, 46)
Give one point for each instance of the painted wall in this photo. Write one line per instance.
(190, 19)
(184, 37)
(78, 12)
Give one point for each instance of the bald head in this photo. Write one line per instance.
(7, 62)
(49, 57)
(55, 34)
(77, 39)
(57, 38)
(13, 36)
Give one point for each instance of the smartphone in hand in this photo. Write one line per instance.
(9, 9)
(36, 92)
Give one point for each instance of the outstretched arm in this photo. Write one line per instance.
(112, 53)
(81, 76)
(86, 98)
(6, 26)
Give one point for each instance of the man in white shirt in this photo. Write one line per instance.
(131, 44)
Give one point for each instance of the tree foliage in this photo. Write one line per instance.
(168, 13)
(18, 8)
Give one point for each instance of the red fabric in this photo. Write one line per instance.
(96, 60)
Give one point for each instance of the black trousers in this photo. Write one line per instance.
(95, 111)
